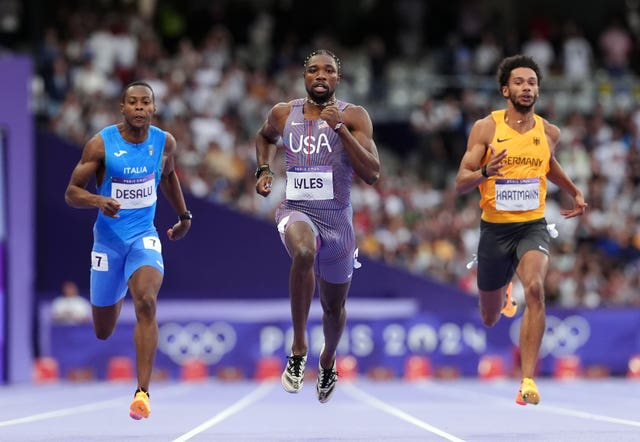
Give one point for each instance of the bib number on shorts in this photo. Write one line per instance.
(153, 243)
(99, 261)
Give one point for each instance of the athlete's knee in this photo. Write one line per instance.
(490, 306)
(103, 333)
(534, 291)
(333, 309)
(304, 256)
(145, 306)
(333, 299)
(489, 319)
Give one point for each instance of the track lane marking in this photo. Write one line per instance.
(372, 401)
(552, 409)
(86, 408)
(244, 402)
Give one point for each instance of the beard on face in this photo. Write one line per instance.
(319, 98)
(522, 108)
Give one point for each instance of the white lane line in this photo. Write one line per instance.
(93, 406)
(356, 393)
(542, 408)
(63, 412)
(586, 415)
(238, 406)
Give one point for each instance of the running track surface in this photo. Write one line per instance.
(360, 410)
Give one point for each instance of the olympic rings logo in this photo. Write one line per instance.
(562, 337)
(196, 340)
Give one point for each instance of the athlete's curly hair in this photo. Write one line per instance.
(514, 62)
(323, 52)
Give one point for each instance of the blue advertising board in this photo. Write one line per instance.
(238, 335)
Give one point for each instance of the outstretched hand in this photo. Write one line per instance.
(579, 207)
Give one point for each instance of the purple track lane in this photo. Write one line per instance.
(360, 410)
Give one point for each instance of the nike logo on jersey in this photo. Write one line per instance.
(500, 140)
(544, 250)
(119, 153)
(297, 123)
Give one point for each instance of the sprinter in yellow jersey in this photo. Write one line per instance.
(510, 156)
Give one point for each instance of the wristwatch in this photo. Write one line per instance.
(186, 216)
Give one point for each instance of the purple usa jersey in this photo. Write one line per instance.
(318, 191)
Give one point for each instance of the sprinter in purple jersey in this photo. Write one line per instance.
(326, 141)
(128, 162)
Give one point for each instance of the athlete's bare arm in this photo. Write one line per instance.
(91, 165)
(266, 140)
(470, 171)
(558, 176)
(357, 139)
(170, 187)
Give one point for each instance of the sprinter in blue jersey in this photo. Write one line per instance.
(326, 140)
(128, 161)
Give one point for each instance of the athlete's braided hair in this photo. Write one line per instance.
(323, 52)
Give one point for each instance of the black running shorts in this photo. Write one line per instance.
(501, 247)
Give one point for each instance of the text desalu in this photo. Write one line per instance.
(134, 193)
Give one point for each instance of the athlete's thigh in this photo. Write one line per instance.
(145, 250)
(108, 284)
(534, 236)
(533, 253)
(145, 283)
(496, 257)
(336, 257)
(533, 267)
(292, 234)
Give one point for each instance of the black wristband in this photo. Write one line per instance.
(263, 168)
(483, 171)
(186, 216)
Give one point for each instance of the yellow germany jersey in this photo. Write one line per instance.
(520, 194)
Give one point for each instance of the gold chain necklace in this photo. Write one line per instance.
(506, 120)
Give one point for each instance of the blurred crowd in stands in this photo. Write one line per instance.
(213, 93)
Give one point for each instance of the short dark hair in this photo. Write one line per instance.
(137, 83)
(323, 52)
(516, 61)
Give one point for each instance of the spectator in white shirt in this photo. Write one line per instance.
(70, 307)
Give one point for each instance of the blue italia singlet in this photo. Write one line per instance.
(124, 244)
